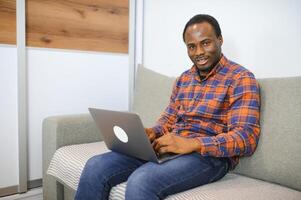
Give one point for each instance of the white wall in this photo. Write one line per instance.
(9, 170)
(262, 35)
(59, 82)
(68, 82)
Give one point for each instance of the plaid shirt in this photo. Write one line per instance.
(221, 110)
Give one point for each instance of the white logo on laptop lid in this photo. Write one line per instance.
(121, 134)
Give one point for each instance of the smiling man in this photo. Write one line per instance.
(212, 120)
(204, 45)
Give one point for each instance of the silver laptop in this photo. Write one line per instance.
(123, 132)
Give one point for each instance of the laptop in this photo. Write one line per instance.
(123, 132)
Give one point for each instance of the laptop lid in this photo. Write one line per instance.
(123, 132)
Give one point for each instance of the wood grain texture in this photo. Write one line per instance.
(93, 25)
(7, 22)
(96, 25)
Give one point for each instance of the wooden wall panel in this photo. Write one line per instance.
(7, 21)
(94, 25)
(97, 25)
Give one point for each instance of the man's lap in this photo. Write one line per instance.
(179, 174)
(176, 175)
(178, 169)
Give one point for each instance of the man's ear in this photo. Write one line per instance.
(221, 40)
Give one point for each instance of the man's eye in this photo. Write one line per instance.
(206, 43)
(191, 47)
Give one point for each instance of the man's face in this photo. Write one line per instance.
(203, 46)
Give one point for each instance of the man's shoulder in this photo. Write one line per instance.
(236, 71)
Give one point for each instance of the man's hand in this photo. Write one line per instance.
(171, 143)
(151, 134)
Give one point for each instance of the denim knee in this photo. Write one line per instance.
(91, 185)
(139, 185)
(90, 172)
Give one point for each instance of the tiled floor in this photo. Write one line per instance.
(33, 194)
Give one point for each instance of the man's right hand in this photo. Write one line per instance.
(151, 134)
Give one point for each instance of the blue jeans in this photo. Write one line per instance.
(147, 180)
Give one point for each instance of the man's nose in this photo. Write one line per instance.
(199, 50)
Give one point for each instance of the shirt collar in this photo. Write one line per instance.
(212, 72)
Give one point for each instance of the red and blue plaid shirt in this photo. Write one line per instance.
(221, 110)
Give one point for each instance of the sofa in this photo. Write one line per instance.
(272, 172)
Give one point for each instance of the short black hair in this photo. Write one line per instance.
(203, 18)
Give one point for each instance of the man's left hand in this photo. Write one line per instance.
(171, 143)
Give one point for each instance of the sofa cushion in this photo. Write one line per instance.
(69, 161)
(277, 158)
(231, 187)
(151, 96)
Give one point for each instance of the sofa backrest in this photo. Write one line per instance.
(151, 96)
(278, 155)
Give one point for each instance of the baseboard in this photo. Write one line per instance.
(8, 191)
(34, 183)
(14, 189)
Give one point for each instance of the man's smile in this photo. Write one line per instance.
(201, 60)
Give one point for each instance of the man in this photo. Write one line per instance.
(212, 119)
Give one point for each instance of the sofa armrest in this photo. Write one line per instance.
(60, 131)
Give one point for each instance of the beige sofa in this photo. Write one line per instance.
(273, 172)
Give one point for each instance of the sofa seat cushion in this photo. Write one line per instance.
(231, 187)
(68, 162)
